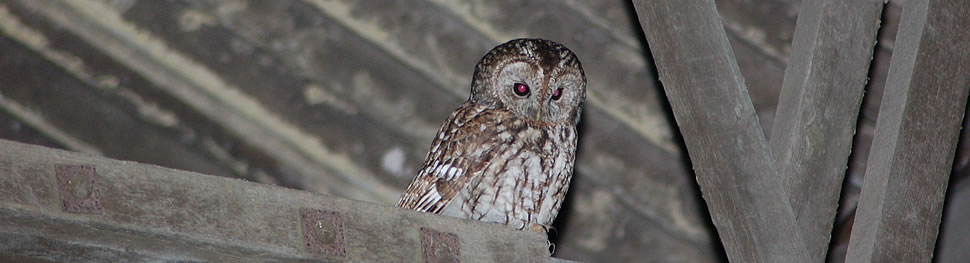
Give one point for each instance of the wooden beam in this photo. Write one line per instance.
(208, 93)
(916, 135)
(727, 147)
(64, 206)
(816, 115)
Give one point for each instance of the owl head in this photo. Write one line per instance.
(538, 80)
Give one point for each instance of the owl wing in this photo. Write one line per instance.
(459, 152)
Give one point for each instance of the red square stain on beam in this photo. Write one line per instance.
(78, 185)
(439, 247)
(323, 232)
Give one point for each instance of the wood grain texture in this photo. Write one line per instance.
(152, 213)
(916, 134)
(729, 152)
(816, 116)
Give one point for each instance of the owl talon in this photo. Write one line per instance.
(539, 228)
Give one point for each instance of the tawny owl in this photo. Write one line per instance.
(506, 155)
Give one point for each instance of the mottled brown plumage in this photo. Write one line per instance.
(506, 155)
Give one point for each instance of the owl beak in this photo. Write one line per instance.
(538, 112)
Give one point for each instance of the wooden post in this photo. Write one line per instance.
(916, 134)
(71, 207)
(728, 149)
(816, 115)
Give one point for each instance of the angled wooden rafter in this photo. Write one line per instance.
(812, 135)
(729, 151)
(820, 99)
(916, 135)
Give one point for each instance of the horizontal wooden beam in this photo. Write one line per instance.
(64, 206)
(916, 135)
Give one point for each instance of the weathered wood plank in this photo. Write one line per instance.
(51, 96)
(147, 213)
(136, 107)
(727, 147)
(916, 134)
(325, 81)
(816, 116)
(218, 100)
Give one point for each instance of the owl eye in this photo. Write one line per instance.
(557, 94)
(520, 89)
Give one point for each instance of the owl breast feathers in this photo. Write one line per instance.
(506, 155)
